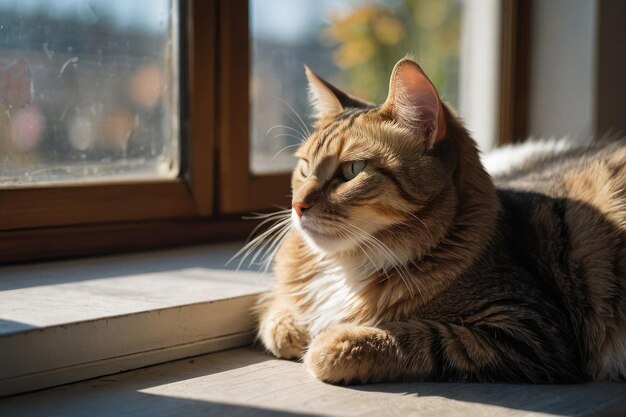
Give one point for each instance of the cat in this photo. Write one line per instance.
(402, 259)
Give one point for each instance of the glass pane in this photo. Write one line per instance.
(352, 43)
(88, 90)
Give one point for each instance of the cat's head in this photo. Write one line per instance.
(372, 170)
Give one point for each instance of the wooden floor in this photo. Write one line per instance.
(246, 382)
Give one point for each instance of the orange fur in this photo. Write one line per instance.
(419, 268)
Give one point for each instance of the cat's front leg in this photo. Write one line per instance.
(507, 351)
(281, 333)
(348, 354)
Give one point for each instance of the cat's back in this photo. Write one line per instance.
(567, 207)
(559, 169)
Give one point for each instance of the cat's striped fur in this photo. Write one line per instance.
(420, 268)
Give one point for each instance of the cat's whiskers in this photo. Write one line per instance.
(268, 238)
(275, 246)
(394, 262)
(268, 217)
(301, 124)
(267, 242)
(272, 245)
(363, 244)
(289, 135)
(298, 134)
(350, 236)
(432, 239)
(286, 147)
(255, 246)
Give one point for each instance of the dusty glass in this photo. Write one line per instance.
(88, 91)
(352, 43)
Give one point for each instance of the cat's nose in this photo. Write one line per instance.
(299, 207)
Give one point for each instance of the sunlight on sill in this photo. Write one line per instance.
(66, 321)
(55, 293)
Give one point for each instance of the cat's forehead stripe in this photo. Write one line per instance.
(329, 133)
(338, 126)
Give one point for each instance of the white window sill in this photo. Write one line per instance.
(247, 382)
(67, 321)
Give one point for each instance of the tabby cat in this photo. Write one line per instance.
(402, 259)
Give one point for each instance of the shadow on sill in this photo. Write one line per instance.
(247, 382)
(140, 404)
(9, 326)
(597, 399)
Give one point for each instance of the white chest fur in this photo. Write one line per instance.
(332, 295)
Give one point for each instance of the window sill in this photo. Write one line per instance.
(68, 321)
(245, 382)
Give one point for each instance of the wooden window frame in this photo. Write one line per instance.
(205, 204)
(45, 205)
(43, 222)
(240, 189)
(515, 70)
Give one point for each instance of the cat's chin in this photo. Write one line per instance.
(321, 242)
(325, 245)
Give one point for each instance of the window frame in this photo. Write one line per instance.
(239, 188)
(203, 205)
(123, 215)
(216, 186)
(67, 204)
(515, 59)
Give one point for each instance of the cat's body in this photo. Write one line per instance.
(413, 266)
(566, 221)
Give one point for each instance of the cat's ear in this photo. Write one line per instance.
(322, 95)
(328, 100)
(413, 101)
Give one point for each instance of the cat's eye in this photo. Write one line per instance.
(351, 169)
(304, 168)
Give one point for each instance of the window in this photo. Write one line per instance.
(167, 151)
(90, 91)
(99, 131)
(355, 44)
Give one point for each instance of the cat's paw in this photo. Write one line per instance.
(282, 336)
(347, 354)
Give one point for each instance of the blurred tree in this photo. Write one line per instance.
(372, 36)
